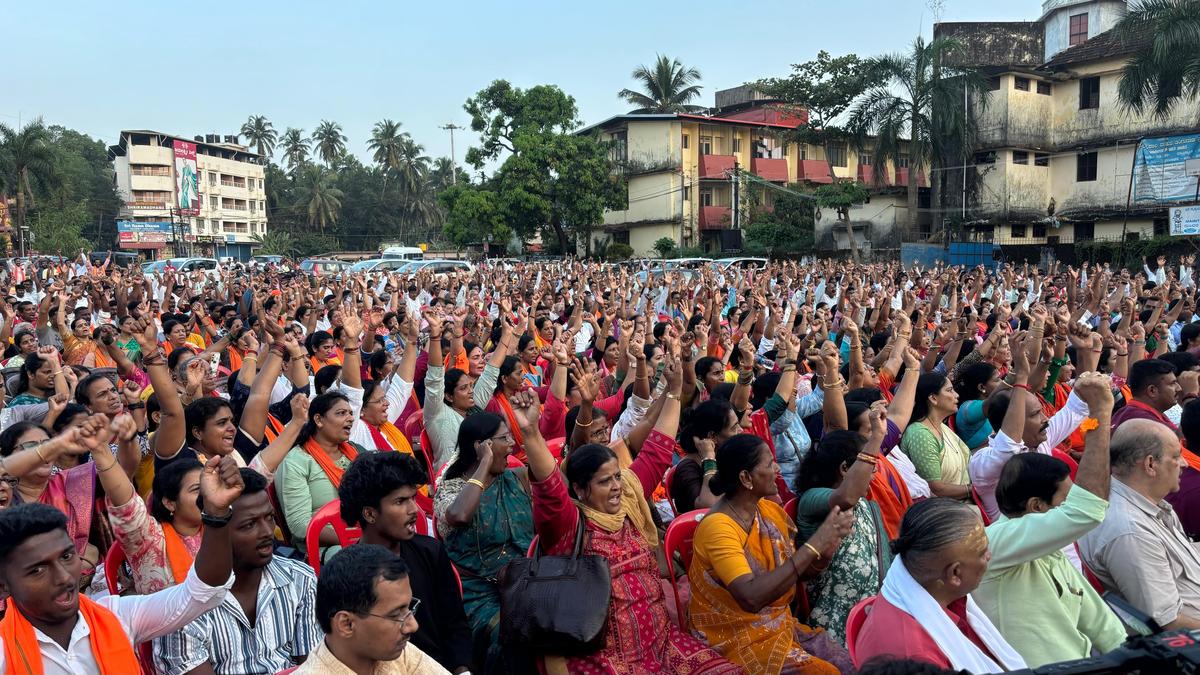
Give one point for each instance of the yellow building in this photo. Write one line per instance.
(230, 192)
(1054, 161)
(681, 168)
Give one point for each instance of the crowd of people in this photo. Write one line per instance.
(810, 467)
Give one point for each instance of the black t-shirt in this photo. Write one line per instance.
(444, 633)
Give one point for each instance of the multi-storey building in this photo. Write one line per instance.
(1058, 156)
(230, 195)
(691, 178)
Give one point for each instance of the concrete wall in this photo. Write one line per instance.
(877, 224)
(1102, 15)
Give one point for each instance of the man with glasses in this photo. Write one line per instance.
(367, 610)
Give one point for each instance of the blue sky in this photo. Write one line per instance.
(191, 68)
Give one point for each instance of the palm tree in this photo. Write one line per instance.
(275, 242)
(411, 166)
(261, 134)
(318, 197)
(916, 101)
(384, 144)
(295, 148)
(329, 140)
(26, 156)
(666, 87)
(1165, 69)
(441, 174)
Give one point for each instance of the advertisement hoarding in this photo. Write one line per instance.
(187, 179)
(1160, 172)
(1185, 220)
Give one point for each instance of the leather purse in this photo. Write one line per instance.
(556, 604)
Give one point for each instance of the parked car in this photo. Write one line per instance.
(185, 265)
(267, 259)
(723, 264)
(378, 265)
(436, 266)
(659, 272)
(323, 267)
(684, 263)
(118, 258)
(402, 253)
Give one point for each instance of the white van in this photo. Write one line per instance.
(402, 253)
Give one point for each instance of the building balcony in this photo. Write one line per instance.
(866, 174)
(814, 171)
(900, 179)
(716, 217)
(774, 170)
(716, 166)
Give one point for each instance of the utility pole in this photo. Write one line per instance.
(737, 221)
(453, 166)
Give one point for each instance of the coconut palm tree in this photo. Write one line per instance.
(261, 134)
(317, 196)
(666, 87)
(295, 148)
(412, 165)
(329, 141)
(26, 157)
(441, 173)
(275, 242)
(385, 144)
(1165, 69)
(915, 103)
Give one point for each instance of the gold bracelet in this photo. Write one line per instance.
(673, 397)
(814, 550)
(38, 450)
(107, 467)
(476, 482)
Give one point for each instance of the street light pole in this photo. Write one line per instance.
(453, 166)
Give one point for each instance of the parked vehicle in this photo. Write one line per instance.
(684, 263)
(723, 264)
(118, 258)
(185, 265)
(267, 259)
(378, 265)
(402, 253)
(322, 267)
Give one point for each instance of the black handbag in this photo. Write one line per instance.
(556, 604)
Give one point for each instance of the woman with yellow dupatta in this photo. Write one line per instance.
(610, 496)
(745, 568)
(377, 404)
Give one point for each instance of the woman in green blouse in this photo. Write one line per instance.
(939, 455)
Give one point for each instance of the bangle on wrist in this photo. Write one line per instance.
(477, 483)
(814, 550)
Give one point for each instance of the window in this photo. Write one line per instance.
(262, 206)
(1052, 240)
(1085, 167)
(150, 170)
(1085, 231)
(212, 177)
(993, 84)
(1045, 88)
(253, 206)
(1021, 83)
(687, 193)
(1089, 93)
(1039, 230)
(864, 159)
(1020, 157)
(214, 202)
(685, 146)
(706, 198)
(1079, 29)
(1041, 159)
(902, 161)
(1018, 231)
(837, 155)
(1131, 236)
(737, 144)
(1160, 227)
(784, 150)
(706, 145)
(620, 147)
(988, 157)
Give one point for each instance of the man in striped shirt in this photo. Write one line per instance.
(267, 623)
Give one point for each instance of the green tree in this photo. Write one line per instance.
(665, 247)
(275, 242)
(317, 196)
(261, 135)
(442, 173)
(841, 197)
(667, 87)
(385, 144)
(295, 148)
(819, 92)
(329, 142)
(787, 228)
(916, 101)
(1165, 70)
(550, 181)
(59, 230)
(26, 162)
(472, 216)
(84, 173)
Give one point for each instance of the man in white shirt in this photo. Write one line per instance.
(50, 629)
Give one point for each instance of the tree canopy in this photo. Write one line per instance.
(667, 87)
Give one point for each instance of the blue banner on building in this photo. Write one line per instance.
(138, 226)
(1160, 172)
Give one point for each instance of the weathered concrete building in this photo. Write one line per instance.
(1054, 161)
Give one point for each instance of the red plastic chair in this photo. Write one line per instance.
(979, 502)
(113, 561)
(326, 516)
(289, 671)
(1089, 574)
(514, 463)
(556, 445)
(790, 508)
(854, 623)
(427, 455)
(422, 525)
(533, 544)
(668, 480)
(679, 537)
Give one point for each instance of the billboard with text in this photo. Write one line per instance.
(1160, 171)
(187, 180)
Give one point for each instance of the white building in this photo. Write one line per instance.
(232, 197)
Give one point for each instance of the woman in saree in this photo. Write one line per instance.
(837, 473)
(484, 517)
(79, 348)
(41, 375)
(938, 454)
(608, 496)
(745, 568)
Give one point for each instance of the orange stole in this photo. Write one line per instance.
(513, 426)
(273, 429)
(177, 554)
(332, 471)
(110, 645)
(880, 491)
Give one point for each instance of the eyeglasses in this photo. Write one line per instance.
(507, 438)
(29, 445)
(402, 617)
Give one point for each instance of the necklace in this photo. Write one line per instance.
(748, 520)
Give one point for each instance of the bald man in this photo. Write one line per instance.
(1140, 550)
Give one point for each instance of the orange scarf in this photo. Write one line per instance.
(513, 426)
(318, 364)
(110, 645)
(235, 359)
(178, 556)
(332, 471)
(390, 437)
(273, 429)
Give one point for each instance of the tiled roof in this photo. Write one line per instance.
(1107, 45)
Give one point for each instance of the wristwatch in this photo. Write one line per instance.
(216, 521)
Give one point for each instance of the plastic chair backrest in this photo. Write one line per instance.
(427, 455)
(113, 561)
(668, 479)
(289, 671)
(533, 544)
(422, 524)
(854, 623)
(1090, 575)
(328, 515)
(982, 509)
(679, 537)
(556, 445)
(790, 508)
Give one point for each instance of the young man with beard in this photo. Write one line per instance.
(50, 629)
(377, 493)
(266, 623)
(367, 609)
